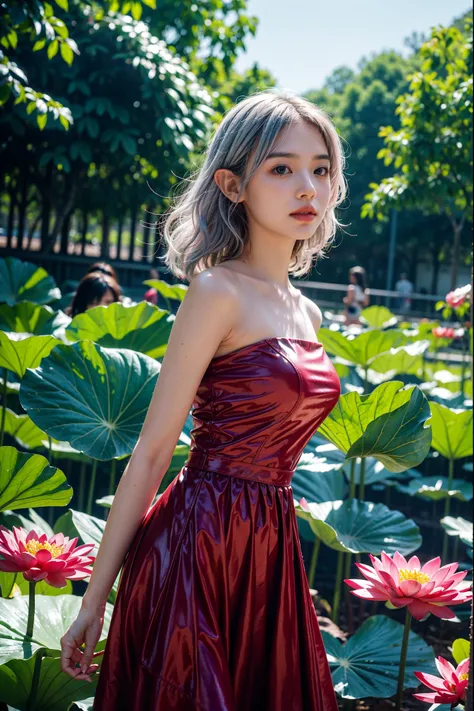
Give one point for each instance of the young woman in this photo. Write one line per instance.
(96, 288)
(105, 268)
(357, 296)
(213, 611)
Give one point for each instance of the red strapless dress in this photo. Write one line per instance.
(213, 611)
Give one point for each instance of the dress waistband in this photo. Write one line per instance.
(235, 467)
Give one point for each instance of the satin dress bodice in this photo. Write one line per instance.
(258, 406)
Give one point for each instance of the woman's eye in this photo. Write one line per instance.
(277, 168)
(322, 171)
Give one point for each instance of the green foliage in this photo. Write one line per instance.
(84, 389)
(25, 281)
(53, 616)
(316, 480)
(27, 317)
(378, 317)
(19, 355)
(143, 328)
(452, 431)
(169, 292)
(459, 527)
(368, 664)
(389, 424)
(405, 359)
(431, 151)
(36, 23)
(23, 430)
(362, 349)
(433, 147)
(361, 527)
(29, 480)
(437, 488)
(55, 690)
(461, 650)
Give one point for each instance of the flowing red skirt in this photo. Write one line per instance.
(213, 611)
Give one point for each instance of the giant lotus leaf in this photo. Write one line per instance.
(94, 398)
(388, 424)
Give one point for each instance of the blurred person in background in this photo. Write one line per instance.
(152, 295)
(405, 289)
(105, 269)
(357, 296)
(94, 289)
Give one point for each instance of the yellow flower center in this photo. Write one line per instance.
(34, 546)
(406, 574)
(463, 677)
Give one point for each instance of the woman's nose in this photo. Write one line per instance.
(307, 188)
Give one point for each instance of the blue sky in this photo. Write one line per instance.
(302, 41)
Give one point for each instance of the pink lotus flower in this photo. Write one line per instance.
(443, 332)
(427, 589)
(457, 297)
(55, 560)
(451, 688)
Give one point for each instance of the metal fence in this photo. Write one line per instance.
(72, 267)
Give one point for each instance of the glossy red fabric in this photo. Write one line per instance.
(213, 610)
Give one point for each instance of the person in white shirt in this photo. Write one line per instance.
(405, 289)
(357, 296)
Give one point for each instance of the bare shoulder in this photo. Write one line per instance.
(313, 311)
(213, 283)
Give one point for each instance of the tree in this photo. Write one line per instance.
(36, 22)
(432, 150)
(138, 111)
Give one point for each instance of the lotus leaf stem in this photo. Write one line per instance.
(314, 561)
(403, 661)
(90, 498)
(337, 587)
(4, 405)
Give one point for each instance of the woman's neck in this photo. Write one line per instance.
(268, 265)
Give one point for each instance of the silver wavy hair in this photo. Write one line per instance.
(205, 228)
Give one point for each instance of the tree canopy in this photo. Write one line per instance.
(361, 102)
(431, 150)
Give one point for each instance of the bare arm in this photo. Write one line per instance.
(203, 320)
(350, 295)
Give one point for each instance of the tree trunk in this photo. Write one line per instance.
(11, 216)
(61, 214)
(32, 230)
(435, 274)
(22, 208)
(119, 236)
(104, 246)
(45, 191)
(133, 233)
(146, 238)
(65, 233)
(413, 266)
(457, 229)
(84, 230)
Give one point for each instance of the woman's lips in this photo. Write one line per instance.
(303, 216)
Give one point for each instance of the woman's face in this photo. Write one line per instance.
(106, 299)
(295, 176)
